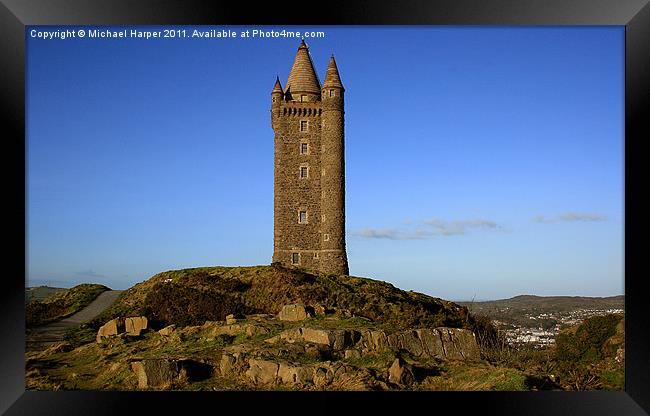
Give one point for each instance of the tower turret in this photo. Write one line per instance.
(309, 174)
(333, 254)
(276, 98)
(303, 84)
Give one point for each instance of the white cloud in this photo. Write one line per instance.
(569, 217)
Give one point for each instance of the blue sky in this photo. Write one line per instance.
(481, 162)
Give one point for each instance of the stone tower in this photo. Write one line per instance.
(309, 175)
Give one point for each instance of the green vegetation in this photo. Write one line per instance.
(585, 343)
(192, 296)
(587, 357)
(586, 354)
(62, 304)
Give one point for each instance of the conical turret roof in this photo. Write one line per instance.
(332, 78)
(277, 87)
(303, 78)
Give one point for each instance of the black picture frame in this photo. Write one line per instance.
(16, 14)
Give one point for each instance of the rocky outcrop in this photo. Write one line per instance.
(444, 343)
(164, 372)
(130, 326)
(167, 331)
(262, 371)
(135, 326)
(400, 373)
(156, 372)
(294, 312)
(110, 328)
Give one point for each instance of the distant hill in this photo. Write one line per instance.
(544, 304)
(544, 311)
(41, 292)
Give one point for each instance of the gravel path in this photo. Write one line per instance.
(46, 335)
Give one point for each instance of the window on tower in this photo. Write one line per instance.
(304, 125)
(304, 148)
(331, 93)
(302, 217)
(295, 258)
(304, 172)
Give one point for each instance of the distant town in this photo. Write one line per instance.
(536, 321)
(540, 336)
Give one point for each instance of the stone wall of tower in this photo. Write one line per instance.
(293, 193)
(304, 114)
(333, 255)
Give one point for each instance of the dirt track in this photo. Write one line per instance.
(48, 334)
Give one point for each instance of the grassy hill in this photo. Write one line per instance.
(61, 304)
(41, 292)
(517, 310)
(193, 296)
(366, 335)
(543, 304)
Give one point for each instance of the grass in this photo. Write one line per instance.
(265, 289)
(463, 377)
(62, 304)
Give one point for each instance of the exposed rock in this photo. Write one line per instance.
(293, 312)
(135, 325)
(110, 328)
(316, 336)
(410, 342)
(163, 372)
(57, 347)
(167, 331)
(446, 343)
(227, 365)
(156, 372)
(400, 372)
(230, 319)
(253, 330)
(431, 342)
(295, 374)
(262, 371)
(459, 344)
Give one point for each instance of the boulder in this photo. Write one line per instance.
(400, 372)
(135, 325)
(110, 328)
(295, 374)
(230, 319)
(262, 371)
(293, 312)
(155, 372)
(163, 372)
(317, 336)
